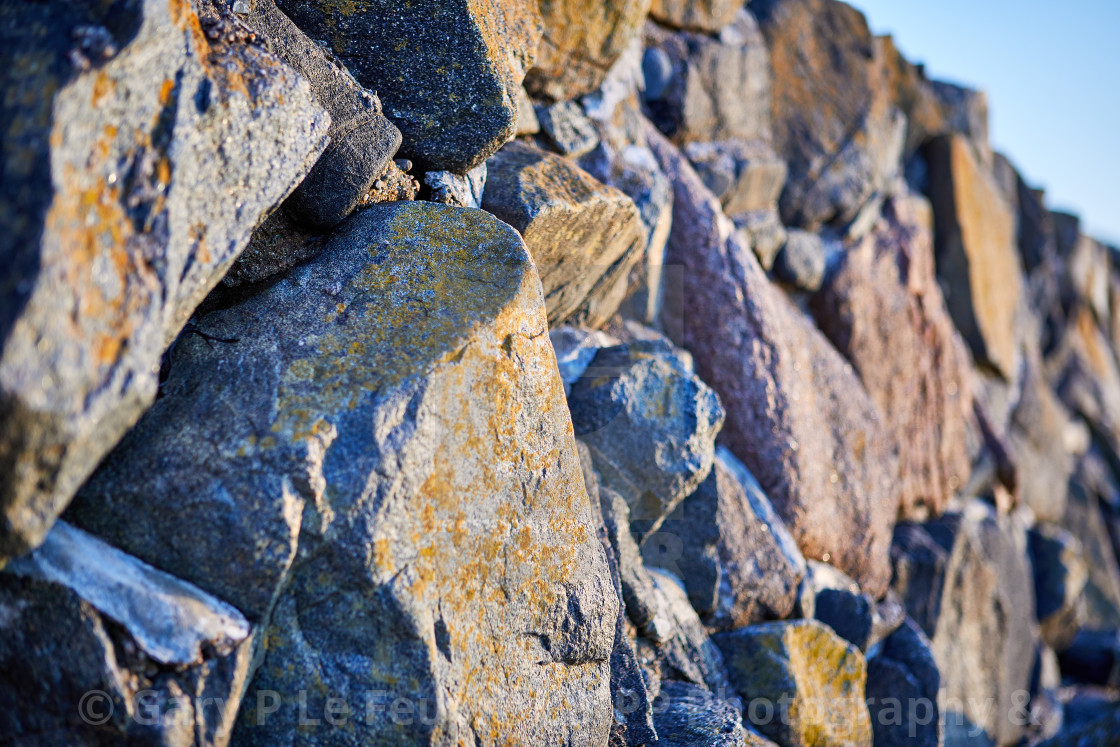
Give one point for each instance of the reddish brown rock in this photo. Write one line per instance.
(582, 39)
(977, 258)
(797, 415)
(883, 310)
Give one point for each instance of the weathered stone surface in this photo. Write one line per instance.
(452, 189)
(812, 679)
(447, 73)
(1099, 731)
(394, 408)
(834, 122)
(976, 257)
(697, 15)
(801, 261)
(883, 310)
(798, 417)
(1088, 271)
(362, 141)
(738, 562)
(170, 620)
(277, 245)
(718, 88)
(584, 236)
(745, 176)
(581, 40)
(131, 182)
(902, 687)
(568, 129)
(651, 426)
(1060, 574)
(69, 676)
(690, 716)
(966, 581)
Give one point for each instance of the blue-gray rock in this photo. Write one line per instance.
(746, 176)
(966, 581)
(738, 561)
(902, 690)
(447, 72)
(1060, 574)
(335, 474)
(651, 426)
(362, 141)
(567, 128)
(802, 261)
(690, 716)
(453, 189)
(140, 160)
(1093, 658)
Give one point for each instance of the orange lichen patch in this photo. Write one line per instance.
(103, 88)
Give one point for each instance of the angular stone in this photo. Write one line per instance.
(452, 189)
(812, 679)
(362, 141)
(719, 89)
(977, 261)
(394, 407)
(568, 128)
(581, 41)
(690, 716)
(1060, 574)
(447, 73)
(965, 579)
(70, 676)
(134, 178)
(696, 15)
(745, 176)
(883, 310)
(834, 122)
(736, 558)
(798, 417)
(277, 245)
(584, 236)
(802, 260)
(902, 687)
(170, 620)
(1089, 268)
(763, 231)
(650, 424)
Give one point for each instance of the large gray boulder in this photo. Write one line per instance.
(448, 72)
(338, 473)
(902, 688)
(585, 237)
(140, 160)
(966, 581)
(738, 561)
(798, 417)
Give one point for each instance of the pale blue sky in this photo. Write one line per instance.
(1052, 74)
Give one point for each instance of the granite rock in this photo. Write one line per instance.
(698, 15)
(134, 178)
(736, 558)
(902, 688)
(316, 474)
(448, 73)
